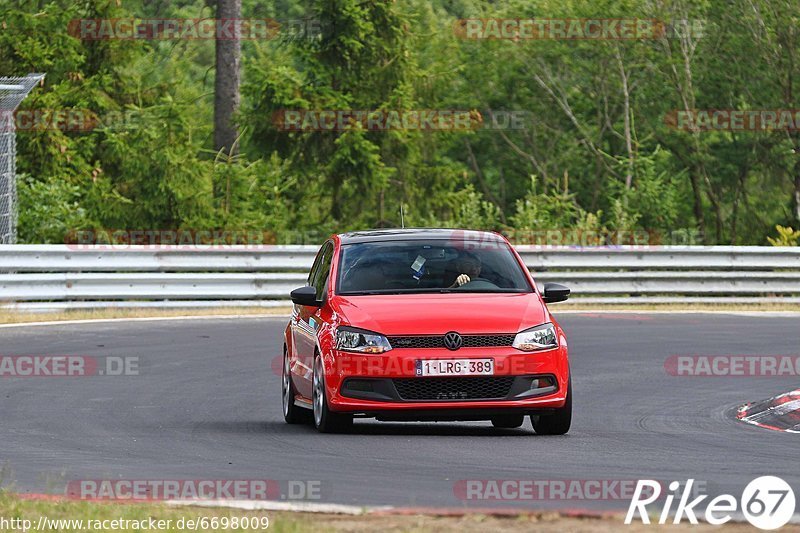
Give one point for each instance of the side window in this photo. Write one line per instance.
(323, 270)
(315, 267)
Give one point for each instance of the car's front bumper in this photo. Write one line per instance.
(379, 385)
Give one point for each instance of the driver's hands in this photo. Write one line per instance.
(462, 279)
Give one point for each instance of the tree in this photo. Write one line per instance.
(226, 82)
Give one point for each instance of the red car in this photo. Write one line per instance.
(425, 324)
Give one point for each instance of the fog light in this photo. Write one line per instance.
(361, 385)
(541, 383)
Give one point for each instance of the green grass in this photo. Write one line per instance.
(13, 507)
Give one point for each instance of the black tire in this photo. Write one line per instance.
(292, 414)
(325, 420)
(508, 421)
(559, 422)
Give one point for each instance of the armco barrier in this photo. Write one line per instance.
(61, 276)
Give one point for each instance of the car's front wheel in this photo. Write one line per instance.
(557, 423)
(325, 420)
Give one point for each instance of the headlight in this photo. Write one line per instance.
(539, 338)
(362, 341)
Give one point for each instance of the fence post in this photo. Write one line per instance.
(12, 92)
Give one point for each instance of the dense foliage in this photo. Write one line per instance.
(597, 152)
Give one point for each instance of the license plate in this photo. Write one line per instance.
(455, 367)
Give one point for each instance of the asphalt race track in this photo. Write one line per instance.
(206, 405)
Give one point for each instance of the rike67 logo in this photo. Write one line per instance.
(767, 503)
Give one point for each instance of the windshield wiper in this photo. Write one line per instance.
(364, 293)
(444, 290)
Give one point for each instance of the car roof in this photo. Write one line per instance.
(405, 234)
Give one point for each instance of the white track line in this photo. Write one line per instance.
(142, 319)
(285, 317)
(297, 507)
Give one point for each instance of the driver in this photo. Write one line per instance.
(469, 266)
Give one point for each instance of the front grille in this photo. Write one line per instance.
(454, 389)
(437, 341)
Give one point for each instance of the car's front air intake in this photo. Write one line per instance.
(454, 389)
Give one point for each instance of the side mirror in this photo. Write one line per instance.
(306, 296)
(554, 292)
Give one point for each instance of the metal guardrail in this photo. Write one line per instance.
(102, 258)
(64, 276)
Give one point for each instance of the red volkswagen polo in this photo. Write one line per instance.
(425, 324)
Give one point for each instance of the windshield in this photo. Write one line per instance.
(417, 266)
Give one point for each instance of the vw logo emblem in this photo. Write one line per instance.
(453, 341)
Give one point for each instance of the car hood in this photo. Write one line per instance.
(434, 314)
